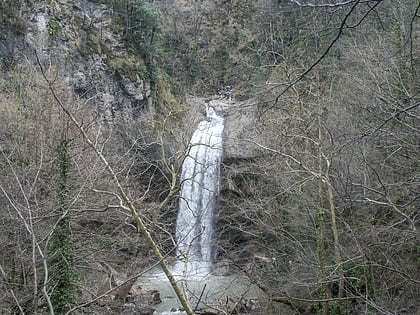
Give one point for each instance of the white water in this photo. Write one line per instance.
(199, 188)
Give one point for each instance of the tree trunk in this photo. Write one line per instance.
(337, 252)
(321, 226)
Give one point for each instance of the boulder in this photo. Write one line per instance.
(143, 296)
(134, 309)
(136, 92)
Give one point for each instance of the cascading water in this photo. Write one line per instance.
(199, 188)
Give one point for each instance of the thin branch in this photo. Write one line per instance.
(393, 206)
(410, 36)
(290, 157)
(17, 302)
(110, 290)
(397, 271)
(287, 299)
(403, 110)
(323, 55)
(323, 5)
(108, 207)
(365, 15)
(35, 243)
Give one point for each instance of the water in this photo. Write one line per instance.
(199, 188)
(207, 291)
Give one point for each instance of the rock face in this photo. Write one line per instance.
(79, 41)
(240, 121)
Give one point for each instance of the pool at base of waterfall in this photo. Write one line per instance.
(204, 290)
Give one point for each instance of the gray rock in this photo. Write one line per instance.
(78, 80)
(240, 120)
(133, 309)
(144, 296)
(132, 90)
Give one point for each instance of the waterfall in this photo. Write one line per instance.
(194, 270)
(199, 188)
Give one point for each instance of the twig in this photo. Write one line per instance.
(199, 299)
(324, 54)
(323, 5)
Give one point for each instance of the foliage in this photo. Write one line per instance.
(142, 24)
(53, 27)
(146, 19)
(129, 66)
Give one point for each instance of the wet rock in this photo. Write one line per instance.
(223, 268)
(221, 107)
(144, 296)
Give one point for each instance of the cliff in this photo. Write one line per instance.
(85, 45)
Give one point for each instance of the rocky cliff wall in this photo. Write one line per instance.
(82, 42)
(239, 130)
(240, 122)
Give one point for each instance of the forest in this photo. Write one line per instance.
(319, 181)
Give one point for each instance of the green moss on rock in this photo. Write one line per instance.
(128, 65)
(53, 27)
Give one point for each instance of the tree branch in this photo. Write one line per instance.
(323, 5)
(323, 55)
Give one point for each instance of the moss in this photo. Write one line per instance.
(129, 66)
(62, 248)
(53, 27)
(167, 103)
(117, 25)
(90, 42)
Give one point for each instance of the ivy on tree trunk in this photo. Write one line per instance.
(61, 250)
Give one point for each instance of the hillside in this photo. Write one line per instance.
(318, 200)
